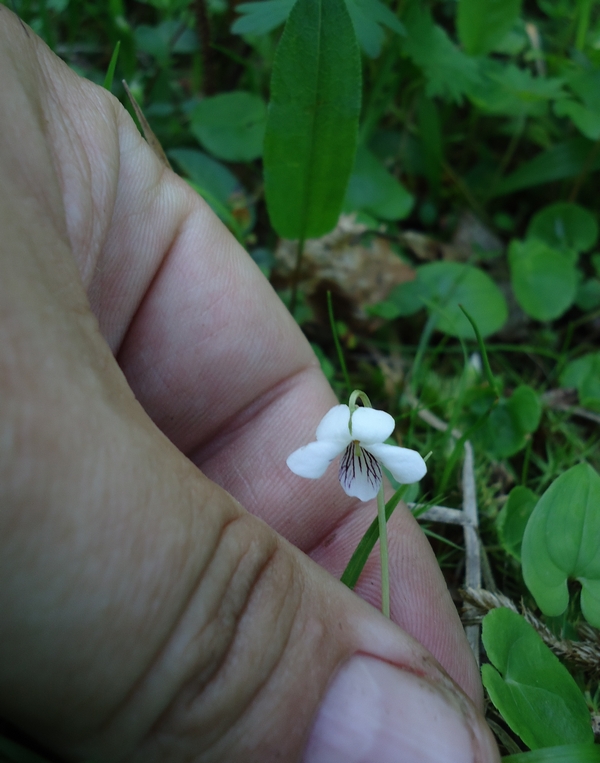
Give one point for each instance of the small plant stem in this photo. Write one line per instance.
(383, 552)
(296, 276)
(338, 346)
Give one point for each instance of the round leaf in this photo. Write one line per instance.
(450, 284)
(565, 225)
(544, 280)
(533, 691)
(511, 421)
(231, 125)
(373, 190)
(561, 543)
(584, 375)
(513, 518)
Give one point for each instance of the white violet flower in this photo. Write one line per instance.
(360, 437)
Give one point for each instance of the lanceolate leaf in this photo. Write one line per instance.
(312, 123)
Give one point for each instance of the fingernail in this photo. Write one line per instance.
(374, 712)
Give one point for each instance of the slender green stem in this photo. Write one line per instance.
(383, 552)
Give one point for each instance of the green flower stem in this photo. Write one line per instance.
(358, 394)
(383, 551)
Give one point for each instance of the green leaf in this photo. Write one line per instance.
(513, 518)
(564, 160)
(110, 72)
(261, 17)
(368, 17)
(373, 190)
(510, 423)
(450, 284)
(566, 226)
(206, 172)
(509, 90)
(231, 125)
(404, 299)
(449, 72)
(586, 120)
(584, 375)
(561, 543)
(584, 113)
(158, 41)
(532, 690)
(362, 552)
(312, 126)
(567, 753)
(544, 280)
(481, 24)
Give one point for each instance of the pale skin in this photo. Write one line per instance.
(158, 596)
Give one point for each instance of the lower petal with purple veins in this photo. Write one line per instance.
(360, 473)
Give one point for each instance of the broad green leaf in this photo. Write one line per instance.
(584, 375)
(404, 299)
(481, 24)
(510, 423)
(373, 190)
(567, 753)
(513, 519)
(206, 172)
(532, 690)
(565, 225)
(449, 72)
(312, 126)
(368, 17)
(544, 279)
(561, 543)
(564, 160)
(446, 285)
(231, 125)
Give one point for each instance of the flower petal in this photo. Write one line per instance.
(370, 425)
(360, 473)
(334, 425)
(405, 465)
(312, 460)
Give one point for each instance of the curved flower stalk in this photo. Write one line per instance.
(359, 435)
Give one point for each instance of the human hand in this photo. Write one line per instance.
(152, 385)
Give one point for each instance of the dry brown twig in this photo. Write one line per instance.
(467, 516)
(584, 654)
